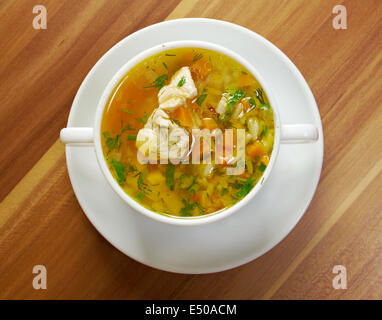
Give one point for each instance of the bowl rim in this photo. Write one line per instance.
(174, 220)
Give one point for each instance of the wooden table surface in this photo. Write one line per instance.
(41, 221)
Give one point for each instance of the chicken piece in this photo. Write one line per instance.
(163, 138)
(253, 129)
(172, 96)
(159, 118)
(222, 106)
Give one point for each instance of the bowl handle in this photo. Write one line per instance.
(77, 136)
(298, 133)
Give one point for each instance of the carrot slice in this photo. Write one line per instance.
(209, 123)
(246, 104)
(255, 149)
(201, 68)
(196, 197)
(184, 116)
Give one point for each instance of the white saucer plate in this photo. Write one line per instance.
(245, 235)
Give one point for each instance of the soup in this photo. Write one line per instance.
(183, 90)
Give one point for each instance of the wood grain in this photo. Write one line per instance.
(42, 223)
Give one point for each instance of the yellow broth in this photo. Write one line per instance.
(187, 189)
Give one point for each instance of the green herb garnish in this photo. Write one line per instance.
(170, 55)
(246, 187)
(127, 111)
(182, 81)
(233, 98)
(189, 207)
(264, 131)
(142, 186)
(165, 65)
(197, 57)
(252, 102)
(201, 98)
(143, 119)
(170, 180)
(140, 196)
(159, 82)
(111, 142)
(127, 128)
(262, 167)
(259, 95)
(119, 170)
(200, 207)
(131, 137)
(186, 181)
(224, 192)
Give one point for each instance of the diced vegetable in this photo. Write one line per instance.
(186, 180)
(155, 177)
(255, 149)
(196, 197)
(246, 104)
(194, 188)
(183, 115)
(209, 123)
